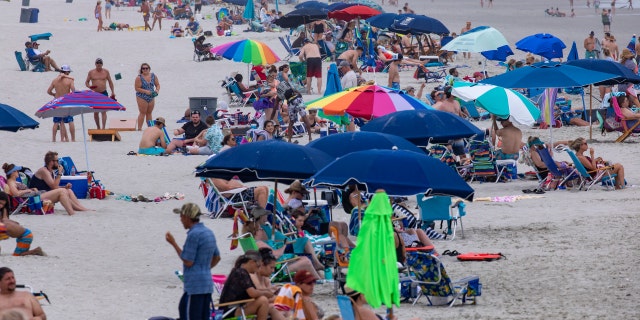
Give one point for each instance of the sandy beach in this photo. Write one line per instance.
(570, 254)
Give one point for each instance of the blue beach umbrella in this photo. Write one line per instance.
(339, 6)
(478, 39)
(312, 5)
(301, 16)
(340, 144)
(573, 53)
(398, 172)
(249, 11)
(542, 44)
(384, 20)
(418, 24)
(548, 75)
(500, 54)
(12, 119)
(623, 74)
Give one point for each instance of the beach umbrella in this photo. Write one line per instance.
(418, 24)
(333, 86)
(624, 75)
(368, 101)
(249, 11)
(542, 44)
(384, 20)
(548, 75)
(500, 54)
(79, 103)
(340, 144)
(312, 5)
(248, 51)
(367, 3)
(632, 44)
(375, 253)
(12, 119)
(423, 126)
(236, 2)
(354, 12)
(301, 16)
(573, 53)
(478, 39)
(399, 172)
(340, 5)
(499, 101)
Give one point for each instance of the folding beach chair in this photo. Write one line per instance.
(248, 242)
(291, 52)
(216, 202)
(559, 177)
(586, 179)
(429, 275)
(440, 208)
(628, 126)
(346, 308)
(30, 203)
(39, 295)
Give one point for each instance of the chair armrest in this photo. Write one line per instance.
(242, 236)
(235, 303)
(233, 191)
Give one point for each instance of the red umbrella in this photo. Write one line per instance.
(353, 12)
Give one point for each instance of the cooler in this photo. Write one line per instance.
(79, 185)
(206, 105)
(25, 15)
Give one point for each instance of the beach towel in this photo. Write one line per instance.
(240, 215)
(289, 300)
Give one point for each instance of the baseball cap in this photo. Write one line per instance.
(34, 43)
(99, 60)
(190, 210)
(304, 276)
(344, 64)
(160, 120)
(65, 68)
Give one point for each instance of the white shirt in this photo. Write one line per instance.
(349, 80)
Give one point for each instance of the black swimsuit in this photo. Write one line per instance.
(38, 183)
(318, 28)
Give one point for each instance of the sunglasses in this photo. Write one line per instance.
(195, 112)
(145, 68)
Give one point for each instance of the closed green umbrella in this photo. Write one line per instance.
(249, 11)
(373, 268)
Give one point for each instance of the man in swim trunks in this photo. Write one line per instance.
(310, 53)
(145, 8)
(22, 300)
(394, 74)
(590, 46)
(257, 194)
(351, 56)
(60, 86)
(153, 140)
(511, 138)
(97, 80)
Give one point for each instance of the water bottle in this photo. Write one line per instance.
(73, 170)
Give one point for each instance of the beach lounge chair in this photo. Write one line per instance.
(287, 46)
(30, 203)
(483, 162)
(39, 295)
(242, 98)
(429, 274)
(248, 242)
(440, 208)
(586, 179)
(216, 202)
(627, 127)
(473, 112)
(559, 177)
(346, 308)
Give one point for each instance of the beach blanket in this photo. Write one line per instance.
(506, 198)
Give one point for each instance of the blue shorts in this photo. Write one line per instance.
(68, 119)
(395, 85)
(153, 151)
(506, 156)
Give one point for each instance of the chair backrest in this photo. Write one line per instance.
(577, 164)
(482, 158)
(235, 88)
(68, 166)
(346, 308)
(470, 106)
(434, 208)
(616, 108)
(285, 45)
(430, 271)
(548, 161)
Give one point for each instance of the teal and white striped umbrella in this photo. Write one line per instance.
(499, 101)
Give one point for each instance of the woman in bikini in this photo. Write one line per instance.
(592, 164)
(158, 14)
(147, 88)
(97, 12)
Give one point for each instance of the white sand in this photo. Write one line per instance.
(571, 255)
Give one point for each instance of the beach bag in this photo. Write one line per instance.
(35, 205)
(96, 192)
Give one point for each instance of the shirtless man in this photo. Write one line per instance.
(310, 52)
(511, 138)
(467, 27)
(60, 86)
(97, 80)
(394, 74)
(153, 140)
(258, 194)
(451, 105)
(409, 48)
(590, 46)
(22, 300)
(146, 14)
(350, 56)
(611, 44)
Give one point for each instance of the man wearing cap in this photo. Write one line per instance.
(35, 55)
(97, 80)
(412, 91)
(349, 78)
(199, 254)
(60, 86)
(153, 140)
(310, 53)
(590, 46)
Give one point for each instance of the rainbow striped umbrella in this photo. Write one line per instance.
(247, 51)
(368, 102)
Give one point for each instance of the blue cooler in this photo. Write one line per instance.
(79, 185)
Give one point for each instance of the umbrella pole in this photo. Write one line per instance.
(84, 137)
(389, 313)
(273, 210)
(590, 110)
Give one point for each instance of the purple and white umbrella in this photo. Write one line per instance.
(79, 103)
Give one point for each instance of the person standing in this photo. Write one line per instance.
(97, 80)
(146, 13)
(467, 27)
(198, 6)
(98, 14)
(198, 255)
(147, 89)
(60, 86)
(158, 14)
(590, 46)
(310, 53)
(107, 8)
(394, 74)
(606, 20)
(21, 300)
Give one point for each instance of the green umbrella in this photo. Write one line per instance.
(373, 270)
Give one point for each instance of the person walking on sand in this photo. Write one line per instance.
(310, 53)
(97, 80)
(21, 300)
(158, 14)
(198, 255)
(147, 88)
(60, 86)
(107, 8)
(98, 14)
(146, 14)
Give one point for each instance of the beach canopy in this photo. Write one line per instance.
(301, 16)
(384, 20)
(423, 126)
(399, 172)
(247, 51)
(542, 44)
(354, 12)
(312, 5)
(478, 39)
(548, 75)
(340, 144)
(12, 119)
(500, 54)
(418, 24)
(624, 75)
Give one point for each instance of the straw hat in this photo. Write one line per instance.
(296, 186)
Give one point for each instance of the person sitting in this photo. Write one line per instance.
(153, 141)
(262, 278)
(316, 122)
(258, 194)
(12, 229)
(209, 141)
(594, 165)
(243, 88)
(294, 300)
(193, 28)
(624, 104)
(177, 31)
(35, 56)
(535, 144)
(17, 304)
(203, 48)
(190, 130)
(361, 308)
(228, 142)
(244, 289)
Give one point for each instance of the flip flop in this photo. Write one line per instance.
(539, 191)
(527, 191)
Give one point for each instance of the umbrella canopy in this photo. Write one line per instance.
(340, 5)
(333, 86)
(418, 24)
(312, 5)
(478, 39)
(624, 74)
(236, 2)
(399, 172)
(548, 75)
(500, 54)
(354, 12)
(384, 20)
(573, 53)
(247, 51)
(423, 126)
(367, 3)
(499, 101)
(375, 253)
(338, 145)
(543, 44)
(249, 11)
(12, 119)
(369, 101)
(301, 16)
(265, 160)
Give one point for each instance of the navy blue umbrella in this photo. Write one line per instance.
(384, 20)
(339, 6)
(624, 75)
(423, 126)
(542, 44)
(312, 5)
(548, 75)
(265, 160)
(338, 145)
(12, 119)
(499, 54)
(573, 53)
(398, 172)
(301, 16)
(418, 24)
